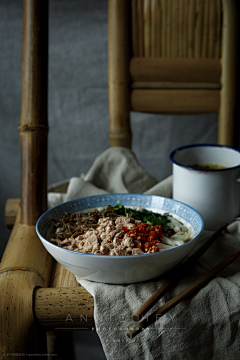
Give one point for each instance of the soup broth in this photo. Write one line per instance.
(208, 166)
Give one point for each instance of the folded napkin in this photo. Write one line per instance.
(205, 326)
(116, 170)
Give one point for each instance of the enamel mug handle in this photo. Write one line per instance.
(238, 179)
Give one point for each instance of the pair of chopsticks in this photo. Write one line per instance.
(174, 276)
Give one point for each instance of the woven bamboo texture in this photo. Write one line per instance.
(176, 28)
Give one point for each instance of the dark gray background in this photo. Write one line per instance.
(78, 108)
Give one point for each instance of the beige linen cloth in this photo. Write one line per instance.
(205, 326)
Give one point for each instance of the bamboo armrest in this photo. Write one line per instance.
(65, 304)
(64, 308)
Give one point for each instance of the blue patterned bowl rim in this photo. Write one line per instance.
(152, 202)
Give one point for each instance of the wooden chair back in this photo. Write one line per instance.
(172, 57)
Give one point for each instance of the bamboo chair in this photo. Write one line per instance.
(173, 57)
(37, 294)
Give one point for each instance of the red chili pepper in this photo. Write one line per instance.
(148, 235)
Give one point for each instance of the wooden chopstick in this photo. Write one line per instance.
(182, 295)
(175, 275)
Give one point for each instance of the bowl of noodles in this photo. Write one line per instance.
(120, 238)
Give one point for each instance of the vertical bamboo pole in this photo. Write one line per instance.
(163, 29)
(168, 33)
(218, 40)
(158, 28)
(190, 30)
(229, 108)
(147, 28)
(153, 28)
(175, 29)
(199, 28)
(33, 126)
(118, 73)
(212, 28)
(184, 27)
(140, 8)
(180, 27)
(26, 264)
(205, 40)
(135, 38)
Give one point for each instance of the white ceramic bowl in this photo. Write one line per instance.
(121, 269)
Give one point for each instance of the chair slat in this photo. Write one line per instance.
(175, 101)
(175, 69)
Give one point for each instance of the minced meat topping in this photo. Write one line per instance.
(106, 234)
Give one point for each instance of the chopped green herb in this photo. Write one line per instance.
(146, 216)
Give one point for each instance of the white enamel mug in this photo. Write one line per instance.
(214, 193)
